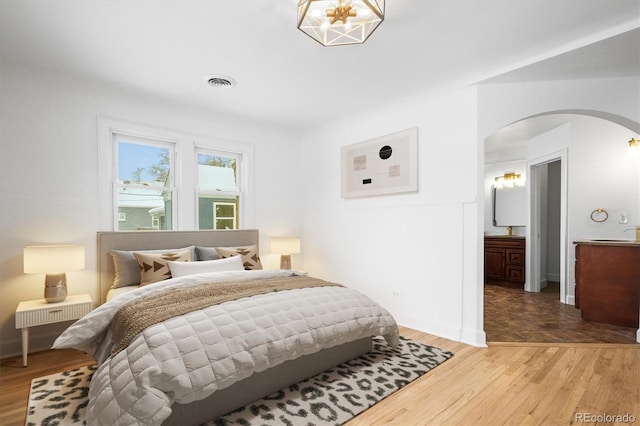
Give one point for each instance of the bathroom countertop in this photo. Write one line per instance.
(611, 242)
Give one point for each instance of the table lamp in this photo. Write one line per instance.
(285, 247)
(54, 261)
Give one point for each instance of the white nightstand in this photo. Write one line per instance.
(38, 312)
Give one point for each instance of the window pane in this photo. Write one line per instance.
(144, 209)
(217, 173)
(145, 164)
(224, 224)
(225, 210)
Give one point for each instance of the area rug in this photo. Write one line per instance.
(329, 398)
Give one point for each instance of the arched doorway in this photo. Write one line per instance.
(585, 143)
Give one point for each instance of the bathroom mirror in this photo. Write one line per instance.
(510, 206)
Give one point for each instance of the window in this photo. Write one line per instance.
(224, 215)
(158, 179)
(219, 194)
(144, 188)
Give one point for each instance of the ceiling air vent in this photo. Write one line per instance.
(223, 81)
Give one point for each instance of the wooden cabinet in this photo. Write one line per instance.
(608, 282)
(504, 259)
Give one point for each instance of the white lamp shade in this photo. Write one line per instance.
(285, 245)
(53, 259)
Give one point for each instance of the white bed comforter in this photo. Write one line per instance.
(187, 358)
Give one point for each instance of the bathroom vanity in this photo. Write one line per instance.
(608, 281)
(504, 260)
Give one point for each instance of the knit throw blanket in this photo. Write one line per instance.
(136, 315)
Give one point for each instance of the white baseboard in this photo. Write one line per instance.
(471, 337)
(554, 278)
(13, 347)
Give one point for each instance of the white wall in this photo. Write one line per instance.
(48, 178)
(503, 104)
(417, 254)
(602, 174)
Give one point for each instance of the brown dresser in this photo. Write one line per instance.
(504, 259)
(608, 281)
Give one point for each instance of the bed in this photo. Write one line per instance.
(274, 337)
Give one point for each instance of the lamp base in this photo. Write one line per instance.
(285, 261)
(55, 287)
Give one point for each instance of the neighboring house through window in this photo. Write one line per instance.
(144, 189)
(156, 179)
(219, 195)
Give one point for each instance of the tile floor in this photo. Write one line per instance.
(513, 315)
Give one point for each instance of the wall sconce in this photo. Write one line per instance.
(54, 261)
(634, 147)
(339, 22)
(285, 247)
(509, 180)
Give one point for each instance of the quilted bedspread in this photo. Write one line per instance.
(189, 357)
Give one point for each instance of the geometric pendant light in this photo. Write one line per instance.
(339, 22)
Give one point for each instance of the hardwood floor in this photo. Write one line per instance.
(15, 380)
(504, 384)
(517, 384)
(513, 315)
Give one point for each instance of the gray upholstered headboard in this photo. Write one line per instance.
(149, 240)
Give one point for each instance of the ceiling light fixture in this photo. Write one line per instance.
(339, 22)
(221, 81)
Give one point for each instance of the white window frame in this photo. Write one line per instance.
(239, 181)
(223, 203)
(185, 205)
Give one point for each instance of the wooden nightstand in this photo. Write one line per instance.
(38, 312)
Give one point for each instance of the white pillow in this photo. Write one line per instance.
(180, 269)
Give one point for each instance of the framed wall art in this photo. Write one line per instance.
(384, 165)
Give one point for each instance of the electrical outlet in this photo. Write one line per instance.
(623, 218)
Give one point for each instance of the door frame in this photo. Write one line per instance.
(533, 247)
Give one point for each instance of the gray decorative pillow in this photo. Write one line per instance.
(154, 266)
(127, 270)
(207, 253)
(250, 258)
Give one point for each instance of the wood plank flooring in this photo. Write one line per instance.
(15, 380)
(504, 384)
(516, 384)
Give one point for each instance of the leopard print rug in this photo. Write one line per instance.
(60, 399)
(329, 398)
